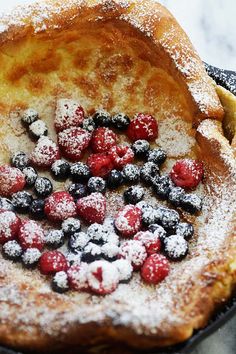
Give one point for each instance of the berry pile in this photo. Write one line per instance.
(98, 257)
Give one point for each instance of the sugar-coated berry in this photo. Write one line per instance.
(135, 252)
(151, 241)
(97, 233)
(9, 225)
(191, 203)
(69, 113)
(155, 269)
(157, 156)
(176, 195)
(120, 121)
(37, 209)
(102, 118)
(128, 220)
(149, 172)
(91, 253)
(103, 277)
(89, 124)
(131, 173)
(125, 269)
(43, 187)
(142, 205)
(30, 176)
(60, 170)
(44, 153)
(12, 250)
(12, 180)
(29, 116)
(114, 179)
(31, 257)
(52, 262)
(185, 229)
(77, 277)
(143, 126)
(80, 172)
(176, 247)
(150, 216)
(170, 219)
(77, 190)
(187, 173)
(31, 235)
(55, 238)
(109, 251)
(103, 139)
(22, 201)
(73, 257)
(100, 164)
(78, 241)
(134, 194)
(96, 184)
(121, 156)
(92, 209)
(6, 204)
(140, 148)
(71, 226)
(159, 231)
(20, 160)
(60, 282)
(59, 206)
(38, 129)
(161, 186)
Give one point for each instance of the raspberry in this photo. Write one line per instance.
(77, 276)
(187, 173)
(151, 241)
(129, 220)
(103, 139)
(103, 277)
(12, 180)
(100, 165)
(92, 208)
(9, 225)
(73, 141)
(52, 262)
(144, 127)
(69, 113)
(133, 251)
(44, 153)
(155, 269)
(121, 156)
(31, 235)
(60, 206)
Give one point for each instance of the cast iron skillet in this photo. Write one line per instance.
(226, 79)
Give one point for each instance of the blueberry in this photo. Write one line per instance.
(120, 121)
(142, 205)
(176, 195)
(43, 187)
(133, 195)
(78, 241)
(141, 148)
(97, 233)
(37, 209)
(176, 247)
(110, 251)
(71, 226)
(191, 203)
(60, 282)
(102, 118)
(158, 230)
(29, 116)
(157, 156)
(22, 201)
(77, 190)
(31, 257)
(114, 179)
(89, 124)
(38, 129)
(55, 238)
(185, 229)
(6, 204)
(170, 219)
(131, 173)
(80, 172)
(161, 186)
(96, 184)
(74, 257)
(30, 176)
(60, 169)
(91, 253)
(19, 160)
(12, 250)
(149, 171)
(150, 216)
